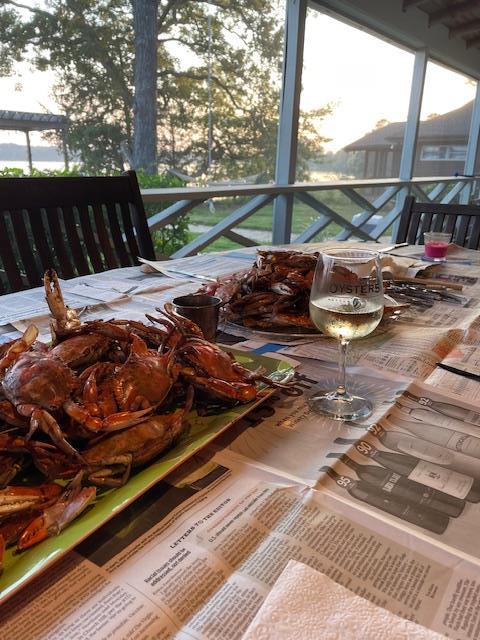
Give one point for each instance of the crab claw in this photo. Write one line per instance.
(64, 318)
(19, 346)
(52, 520)
(20, 499)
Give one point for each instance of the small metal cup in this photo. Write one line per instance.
(202, 309)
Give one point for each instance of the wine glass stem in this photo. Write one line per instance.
(342, 368)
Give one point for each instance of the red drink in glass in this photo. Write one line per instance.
(436, 245)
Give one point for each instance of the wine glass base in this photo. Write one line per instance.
(338, 407)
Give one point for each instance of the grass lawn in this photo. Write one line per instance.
(262, 220)
(222, 244)
(303, 216)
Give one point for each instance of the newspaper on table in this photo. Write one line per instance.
(388, 507)
(202, 267)
(205, 568)
(133, 307)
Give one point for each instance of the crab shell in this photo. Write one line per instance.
(82, 349)
(39, 379)
(145, 379)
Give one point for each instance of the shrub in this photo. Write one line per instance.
(172, 236)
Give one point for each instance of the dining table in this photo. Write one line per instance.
(385, 509)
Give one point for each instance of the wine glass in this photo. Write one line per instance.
(346, 303)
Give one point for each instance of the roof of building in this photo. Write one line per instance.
(451, 126)
(24, 121)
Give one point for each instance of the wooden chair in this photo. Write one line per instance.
(78, 225)
(461, 221)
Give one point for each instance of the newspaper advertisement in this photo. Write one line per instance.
(204, 570)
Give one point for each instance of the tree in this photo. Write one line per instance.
(101, 52)
(145, 74)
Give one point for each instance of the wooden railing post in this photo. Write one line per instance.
(472, 148)
(288, 124)
(407, 161)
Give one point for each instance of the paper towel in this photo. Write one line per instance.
(305, 604)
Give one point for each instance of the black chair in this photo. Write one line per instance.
(77, 225)
(461, 221)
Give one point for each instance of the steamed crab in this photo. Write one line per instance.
(99, 391)
(274, 293)
(38, 385)
(208, 368)
(110, 460)
(28, 515)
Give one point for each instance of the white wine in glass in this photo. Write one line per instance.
(346, 303)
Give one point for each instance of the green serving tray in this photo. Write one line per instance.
(21, 568)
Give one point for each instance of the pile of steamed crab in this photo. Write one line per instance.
(100, 399)
(274, 293)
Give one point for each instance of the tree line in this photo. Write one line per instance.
(185, 84)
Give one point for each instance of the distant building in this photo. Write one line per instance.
(441, 146)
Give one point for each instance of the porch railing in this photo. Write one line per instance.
(379, 198)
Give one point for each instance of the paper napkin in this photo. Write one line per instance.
(305, 604)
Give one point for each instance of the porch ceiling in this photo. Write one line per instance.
(449, 29)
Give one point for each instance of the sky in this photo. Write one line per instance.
(367, 79)
(364, 78)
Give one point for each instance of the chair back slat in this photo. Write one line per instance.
(40, 238)
(405, 218)
(128, 231)
(413, 229)
(104, 238)
(118, 241)
(462, 228)
(74, 244)
(461, 221)
(139, 220)
(89, 238)
(64, 266)
(474, 238)
(33, 272)
(8, 259)
(437, 223)
(78, 225)
(426, 225)
(450, 222)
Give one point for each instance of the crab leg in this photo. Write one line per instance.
(113, 471)
(12, 529)
(12, 444)
(9, 414)
(185, 325)
(113, 422)
(230, 391)
(64, 319)
(16, 499)
(41, 419)
(19, 346)
(54, 519)
(9, 467)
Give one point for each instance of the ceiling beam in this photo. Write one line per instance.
(473, 42)
(411, 3)
(405, 28)
(466, 27)
(452, 10)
